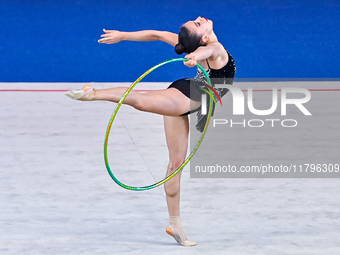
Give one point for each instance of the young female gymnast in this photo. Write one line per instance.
(182, 97)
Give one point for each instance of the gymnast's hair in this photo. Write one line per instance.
(187, 42)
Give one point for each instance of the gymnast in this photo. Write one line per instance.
(198, 40)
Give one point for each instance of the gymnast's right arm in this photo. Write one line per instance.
(114, 36)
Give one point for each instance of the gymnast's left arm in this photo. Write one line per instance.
(201, 53)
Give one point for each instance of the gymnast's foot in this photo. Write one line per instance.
(87, 93)
(176, 231)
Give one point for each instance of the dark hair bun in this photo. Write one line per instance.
(180, 48)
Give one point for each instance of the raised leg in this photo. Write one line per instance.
(169, 102)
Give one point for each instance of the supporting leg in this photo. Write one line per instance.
(177, 132)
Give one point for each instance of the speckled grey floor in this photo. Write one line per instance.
(57, 198)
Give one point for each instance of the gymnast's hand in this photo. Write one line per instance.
(191, 62)
(110, 37)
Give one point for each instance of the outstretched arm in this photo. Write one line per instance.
(114, 36)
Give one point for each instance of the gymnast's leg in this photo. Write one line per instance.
(177, 132)
(169, 102)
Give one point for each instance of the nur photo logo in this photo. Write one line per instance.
(239, 104)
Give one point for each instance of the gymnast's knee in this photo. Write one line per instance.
(139, 105)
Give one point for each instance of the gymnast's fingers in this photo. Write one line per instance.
(186, 62)
(105, 40)
(109, 31)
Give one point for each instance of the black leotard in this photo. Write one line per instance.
(192, 87)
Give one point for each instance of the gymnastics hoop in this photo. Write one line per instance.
(116, 111)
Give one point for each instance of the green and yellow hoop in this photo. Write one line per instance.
(116, 111)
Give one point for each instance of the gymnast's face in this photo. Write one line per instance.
(200, 26)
